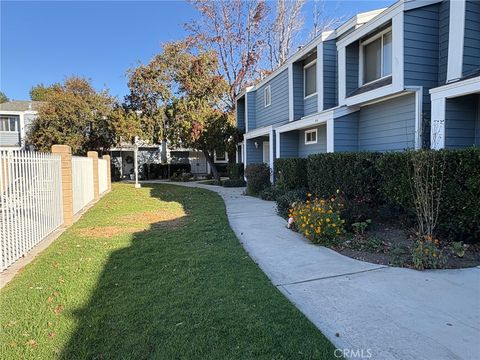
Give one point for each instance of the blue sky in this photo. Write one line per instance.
(43, 42)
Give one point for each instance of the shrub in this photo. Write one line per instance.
(426, 254)
(164, 171)
(285, 201)
(258, 178)
(291, 173)
(371, 179)
(235, 171)
(355, 174)
(181, 176)
(234, 183)
(222, 169)
(318, 219)
(271, 193)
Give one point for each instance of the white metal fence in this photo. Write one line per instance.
(30, 201)
(102, 176)
(82, 182)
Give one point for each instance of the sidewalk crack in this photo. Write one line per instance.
(332, 276)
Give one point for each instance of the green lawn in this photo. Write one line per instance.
(151, 273)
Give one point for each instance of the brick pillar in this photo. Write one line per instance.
(94, 156)
(109, 174)
(65, 153)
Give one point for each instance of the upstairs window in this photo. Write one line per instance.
(267, 95)
(310, 79)
(220, 156)
(9, 123)
(377, 57)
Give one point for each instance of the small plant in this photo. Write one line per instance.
(426, 254)
(399, 255)
(458, 248)
(285, 201)
(360, 227)
(318, 219)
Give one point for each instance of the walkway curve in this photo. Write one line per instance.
(376, 311)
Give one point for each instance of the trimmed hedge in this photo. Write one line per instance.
(161, 171)
(355, 174)
(378, 178)
(291, 173)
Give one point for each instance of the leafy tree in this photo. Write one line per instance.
(76, 114)
(199, 116)
(40, 91)
(149, 92)
(3, 97)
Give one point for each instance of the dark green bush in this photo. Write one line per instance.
(235, 171)
(285, 201)
(258, 178)
(355, 174)
(271, 193)
(291, 173)
(164, 171)
(222, 169)
(373, 179)
(234, 183)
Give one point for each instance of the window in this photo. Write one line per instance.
(310, 79)
(221, 157)
(311, 136)
(377, 57)
(267, 94)
(9, 123)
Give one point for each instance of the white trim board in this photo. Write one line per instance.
(458, 88)
(455, 39)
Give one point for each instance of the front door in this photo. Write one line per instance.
(266, 152)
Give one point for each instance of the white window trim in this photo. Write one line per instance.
(225, 160)
(311, 132)
(310, 64)
(361, 55)
(265, 96)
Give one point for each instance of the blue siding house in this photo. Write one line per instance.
(404, 77)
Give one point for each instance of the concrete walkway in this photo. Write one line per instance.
(385, 312)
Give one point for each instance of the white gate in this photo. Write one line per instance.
(102, 176)
(30, 201)
(82, 182)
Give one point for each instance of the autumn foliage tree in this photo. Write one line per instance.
(75, 114)
(200, 118)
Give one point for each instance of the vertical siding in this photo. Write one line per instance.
(240, 114)
(443, 28)
(289, 144)
(278, 110)
(252, 123)
(388, 125)
(310, 105)
(297, 69)
(471, 45)
(461, 118)
(320, 147)
(351, 67)
(329, 74)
